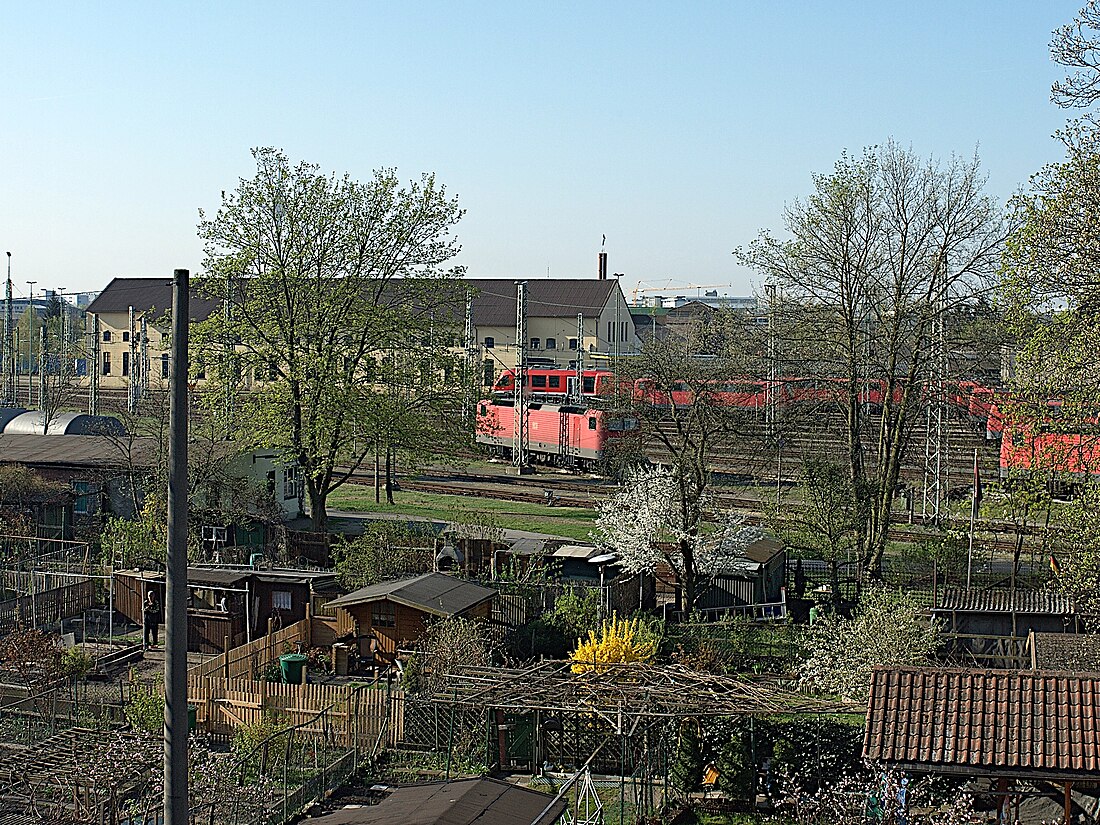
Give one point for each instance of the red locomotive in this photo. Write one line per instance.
(566, 435)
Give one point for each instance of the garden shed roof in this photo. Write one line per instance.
(484, 801)
(1034, 602)
(1035, 724)
(435, 593)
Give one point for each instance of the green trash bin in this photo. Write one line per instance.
(292, 665)
(192, 717)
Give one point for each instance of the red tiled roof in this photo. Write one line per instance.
(1040, 724)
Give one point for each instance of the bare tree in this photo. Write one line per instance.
(881, 255)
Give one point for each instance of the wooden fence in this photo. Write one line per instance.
(227, 694)
(50, 605)
(354, 715)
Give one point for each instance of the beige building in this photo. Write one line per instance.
(124, 312)
(564, 315)
(555, 333)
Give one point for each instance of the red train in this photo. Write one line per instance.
(561, 434)
(571, 429)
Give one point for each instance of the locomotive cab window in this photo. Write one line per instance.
(592, 423)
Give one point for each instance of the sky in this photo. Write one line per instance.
(678, 130)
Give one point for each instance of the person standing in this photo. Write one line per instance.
(150, 615)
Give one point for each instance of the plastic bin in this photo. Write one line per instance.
(292, 665)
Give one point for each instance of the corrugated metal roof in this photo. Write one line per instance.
(84, 451)
(1031, 723)
(484, 801)
(1037, 602)
(151, 296)
(68, 423)
(494, 305)
(435, 593)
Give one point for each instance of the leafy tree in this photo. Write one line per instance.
(825, 521)
(1075, 554)
(885, 251)
(887, 629)
(657, 517)
(386, 550)
(333, 288)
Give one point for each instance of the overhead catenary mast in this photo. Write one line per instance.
(520, 435)
(9, 343)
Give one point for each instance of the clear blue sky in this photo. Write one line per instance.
(677, 129)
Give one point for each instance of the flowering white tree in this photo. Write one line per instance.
(650, 520)
(887, 628)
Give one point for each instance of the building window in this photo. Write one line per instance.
(382, 615)
(106, 336)
(622, 331)
(291, 483)
(165, 368)
(280, 599)
(551, 343)
(125, 336)
(611, 332)
(125, 363)
(572, 343)
(83, 504)
(490, 342)
(536, 343)
(487, 373)
(106, 363)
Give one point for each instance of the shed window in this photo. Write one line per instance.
(382, 615)
(83, 504)
(592, 423)
(280, 599)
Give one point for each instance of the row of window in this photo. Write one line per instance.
(623, 334)
(107, 336)
(536, 343)
(165, 365)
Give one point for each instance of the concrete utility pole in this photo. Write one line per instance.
(175, 602)
(520, 436)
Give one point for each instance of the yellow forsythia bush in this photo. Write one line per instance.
(620, 641)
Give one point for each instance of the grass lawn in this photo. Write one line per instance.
(569, 522)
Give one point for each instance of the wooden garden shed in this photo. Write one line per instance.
(397, 613)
